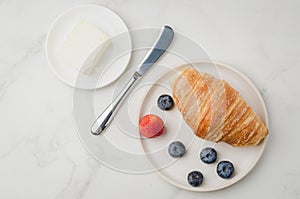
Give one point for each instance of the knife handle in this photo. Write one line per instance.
(107, 115)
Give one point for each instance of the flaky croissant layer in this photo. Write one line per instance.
(215, 111)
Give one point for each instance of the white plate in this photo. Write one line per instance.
(175, 171)
(107, 70)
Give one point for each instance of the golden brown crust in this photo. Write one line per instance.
(215, 111)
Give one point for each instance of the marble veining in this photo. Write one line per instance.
(272, 78)
(75, 177)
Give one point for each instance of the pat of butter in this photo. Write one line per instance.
(84, 47)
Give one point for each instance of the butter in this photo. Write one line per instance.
(84, 47)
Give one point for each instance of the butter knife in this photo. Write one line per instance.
(159, 48)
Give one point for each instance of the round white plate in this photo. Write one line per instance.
(113, 62)
(175, 171)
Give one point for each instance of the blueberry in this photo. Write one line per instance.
(165, 102)
(195, 178)
(208, 155)
(176, 149)
(225, 169)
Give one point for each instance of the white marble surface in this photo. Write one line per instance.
(40, 153)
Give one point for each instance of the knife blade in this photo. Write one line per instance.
(157, 50)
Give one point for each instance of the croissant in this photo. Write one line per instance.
(215, 111)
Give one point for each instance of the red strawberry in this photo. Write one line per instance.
(151, 126)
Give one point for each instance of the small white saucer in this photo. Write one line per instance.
(112, 64)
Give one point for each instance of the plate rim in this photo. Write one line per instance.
(49, 33)
(231, 68)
